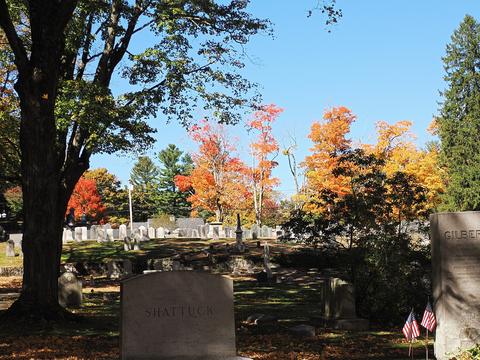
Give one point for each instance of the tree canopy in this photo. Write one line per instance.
(459, 119)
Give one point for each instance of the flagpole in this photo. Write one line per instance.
(426, 345)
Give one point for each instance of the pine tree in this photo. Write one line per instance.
(144, 173)
(459, 120)
(171, 200)
(144, 178)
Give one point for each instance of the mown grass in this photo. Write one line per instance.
(10, 261)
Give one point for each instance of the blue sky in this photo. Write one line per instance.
(383, 61)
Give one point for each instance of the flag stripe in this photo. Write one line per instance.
(411, 329)
(428, 321)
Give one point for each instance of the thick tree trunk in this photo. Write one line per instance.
(43, 206)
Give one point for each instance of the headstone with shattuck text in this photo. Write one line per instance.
(178, 315)
(456, 281)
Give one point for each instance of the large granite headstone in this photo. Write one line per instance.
(456, 281)
(339, 305)
(178, 315)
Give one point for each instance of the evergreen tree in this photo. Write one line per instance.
(459, 120)
(144, 173)
(171, 200)
(144, 178)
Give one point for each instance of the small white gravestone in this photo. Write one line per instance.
(84, 233)
(68, 235)
(109, 234)
(122, 231)
(78, 234)
(178, 315)
(151, 233)
(10, 249)
(101, 234)
(160, 233)
(143, 230)
(93, 232)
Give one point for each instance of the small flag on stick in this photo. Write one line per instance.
(428, 321)
(411, 330)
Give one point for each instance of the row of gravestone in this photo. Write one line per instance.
(105, 233)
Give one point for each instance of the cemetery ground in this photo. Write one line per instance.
(94, 334)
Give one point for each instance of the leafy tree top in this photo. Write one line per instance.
(459, 119)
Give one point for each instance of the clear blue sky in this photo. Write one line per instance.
(383, 61)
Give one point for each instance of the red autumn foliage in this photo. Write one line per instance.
(86, 200)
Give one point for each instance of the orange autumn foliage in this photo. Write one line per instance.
(217, 179)
(329, 142)
(86, 200)
(395, 144)
(264, 151)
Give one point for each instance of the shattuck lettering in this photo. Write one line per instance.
(462, 234)
(180, 311)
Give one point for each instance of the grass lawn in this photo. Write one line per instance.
(95, 335)
(9, 261)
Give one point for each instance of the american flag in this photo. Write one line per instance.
(428, 320)
(411, 330)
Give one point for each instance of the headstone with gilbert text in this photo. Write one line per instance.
(178, 315)
(456, 281)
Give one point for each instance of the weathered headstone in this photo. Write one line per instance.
(68, 235)
(456, 281)
(143, 230)
(69, 290)
(114, 271)
(203, 230)
(160, 233)
(10, 249)
(264, 231)
(78, 234)
(340, 310)
(109, 234)
(255, 231)
(84, 233)
(178, 315)
(101, 234)
(93, 232)
(122, 231)
(151, 233)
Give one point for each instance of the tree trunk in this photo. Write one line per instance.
(44, 206)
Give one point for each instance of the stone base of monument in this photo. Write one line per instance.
(356, 324)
